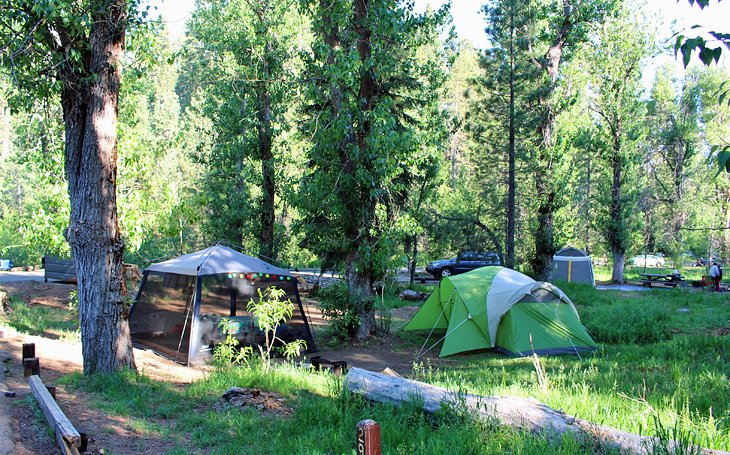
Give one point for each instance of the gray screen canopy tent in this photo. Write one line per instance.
(182, 302)
(573, 265)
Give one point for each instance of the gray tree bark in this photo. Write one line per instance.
(90, 107)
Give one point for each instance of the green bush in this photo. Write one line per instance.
(338, 310)
(627, 322)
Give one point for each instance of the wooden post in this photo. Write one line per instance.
(28, 350)
(52, 390)
(84, 442)
(339, 367)
(368, 437)
(31, 366)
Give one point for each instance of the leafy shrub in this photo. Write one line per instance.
(338, 310)
(627, 322)
(230, 351)
(269, 312)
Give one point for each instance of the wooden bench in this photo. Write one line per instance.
(59, 269)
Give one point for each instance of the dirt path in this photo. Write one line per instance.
(7, 447)
(59, 358)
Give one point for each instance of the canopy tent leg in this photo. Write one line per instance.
(188, 306)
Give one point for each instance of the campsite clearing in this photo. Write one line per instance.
(655, 364)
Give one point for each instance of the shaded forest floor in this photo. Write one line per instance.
(59, 350)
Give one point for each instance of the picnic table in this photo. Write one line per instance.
(661, 278)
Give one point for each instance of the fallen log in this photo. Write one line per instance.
(522, 413)
(66, 435)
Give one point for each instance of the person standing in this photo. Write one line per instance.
(716, 275)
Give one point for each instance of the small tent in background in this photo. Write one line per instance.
(572, 265)
(181, 303)
(496, 307)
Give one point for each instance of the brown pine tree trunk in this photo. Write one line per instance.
(544, 234)
(617, 231)
(265, 135)
(511, 181)
(360, 269)
(90, 107)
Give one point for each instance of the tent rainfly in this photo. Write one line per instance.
(182, 302)
(572, 265)
(496, 307)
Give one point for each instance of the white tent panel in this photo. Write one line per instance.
(506, 285)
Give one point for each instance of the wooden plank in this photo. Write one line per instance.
(55, 417)
(525, 414)
(66, 448)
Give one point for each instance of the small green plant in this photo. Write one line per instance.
(73, 302)
(269, 312)
(230, 352)
(673, 440)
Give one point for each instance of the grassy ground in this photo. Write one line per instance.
(50, 322)
(602, 273)
(663, 355)
(662, 368)
(323, 420)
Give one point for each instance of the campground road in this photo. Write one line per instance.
(6, 277)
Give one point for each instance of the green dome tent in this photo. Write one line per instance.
(496, 307)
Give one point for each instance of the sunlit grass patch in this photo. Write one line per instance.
(41, 320)
(323, 420)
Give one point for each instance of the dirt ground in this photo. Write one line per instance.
(107, 434)
(110, 434)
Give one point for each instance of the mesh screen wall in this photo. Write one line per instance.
(165, 317)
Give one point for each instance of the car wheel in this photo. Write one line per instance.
(446, 272)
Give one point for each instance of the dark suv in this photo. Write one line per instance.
(464, 262)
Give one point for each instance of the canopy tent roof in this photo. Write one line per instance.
(573, 265)
(215, 260)
(570, 253)
(471, 307)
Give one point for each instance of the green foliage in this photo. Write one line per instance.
(708, 55)
(241, 61)
(627, 322)
(269, 312)
(73, 302)
(619, 129)
(371, 113)
(229, 352)
(334, 301)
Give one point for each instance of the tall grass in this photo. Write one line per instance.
(323, 421)
(662, 363)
